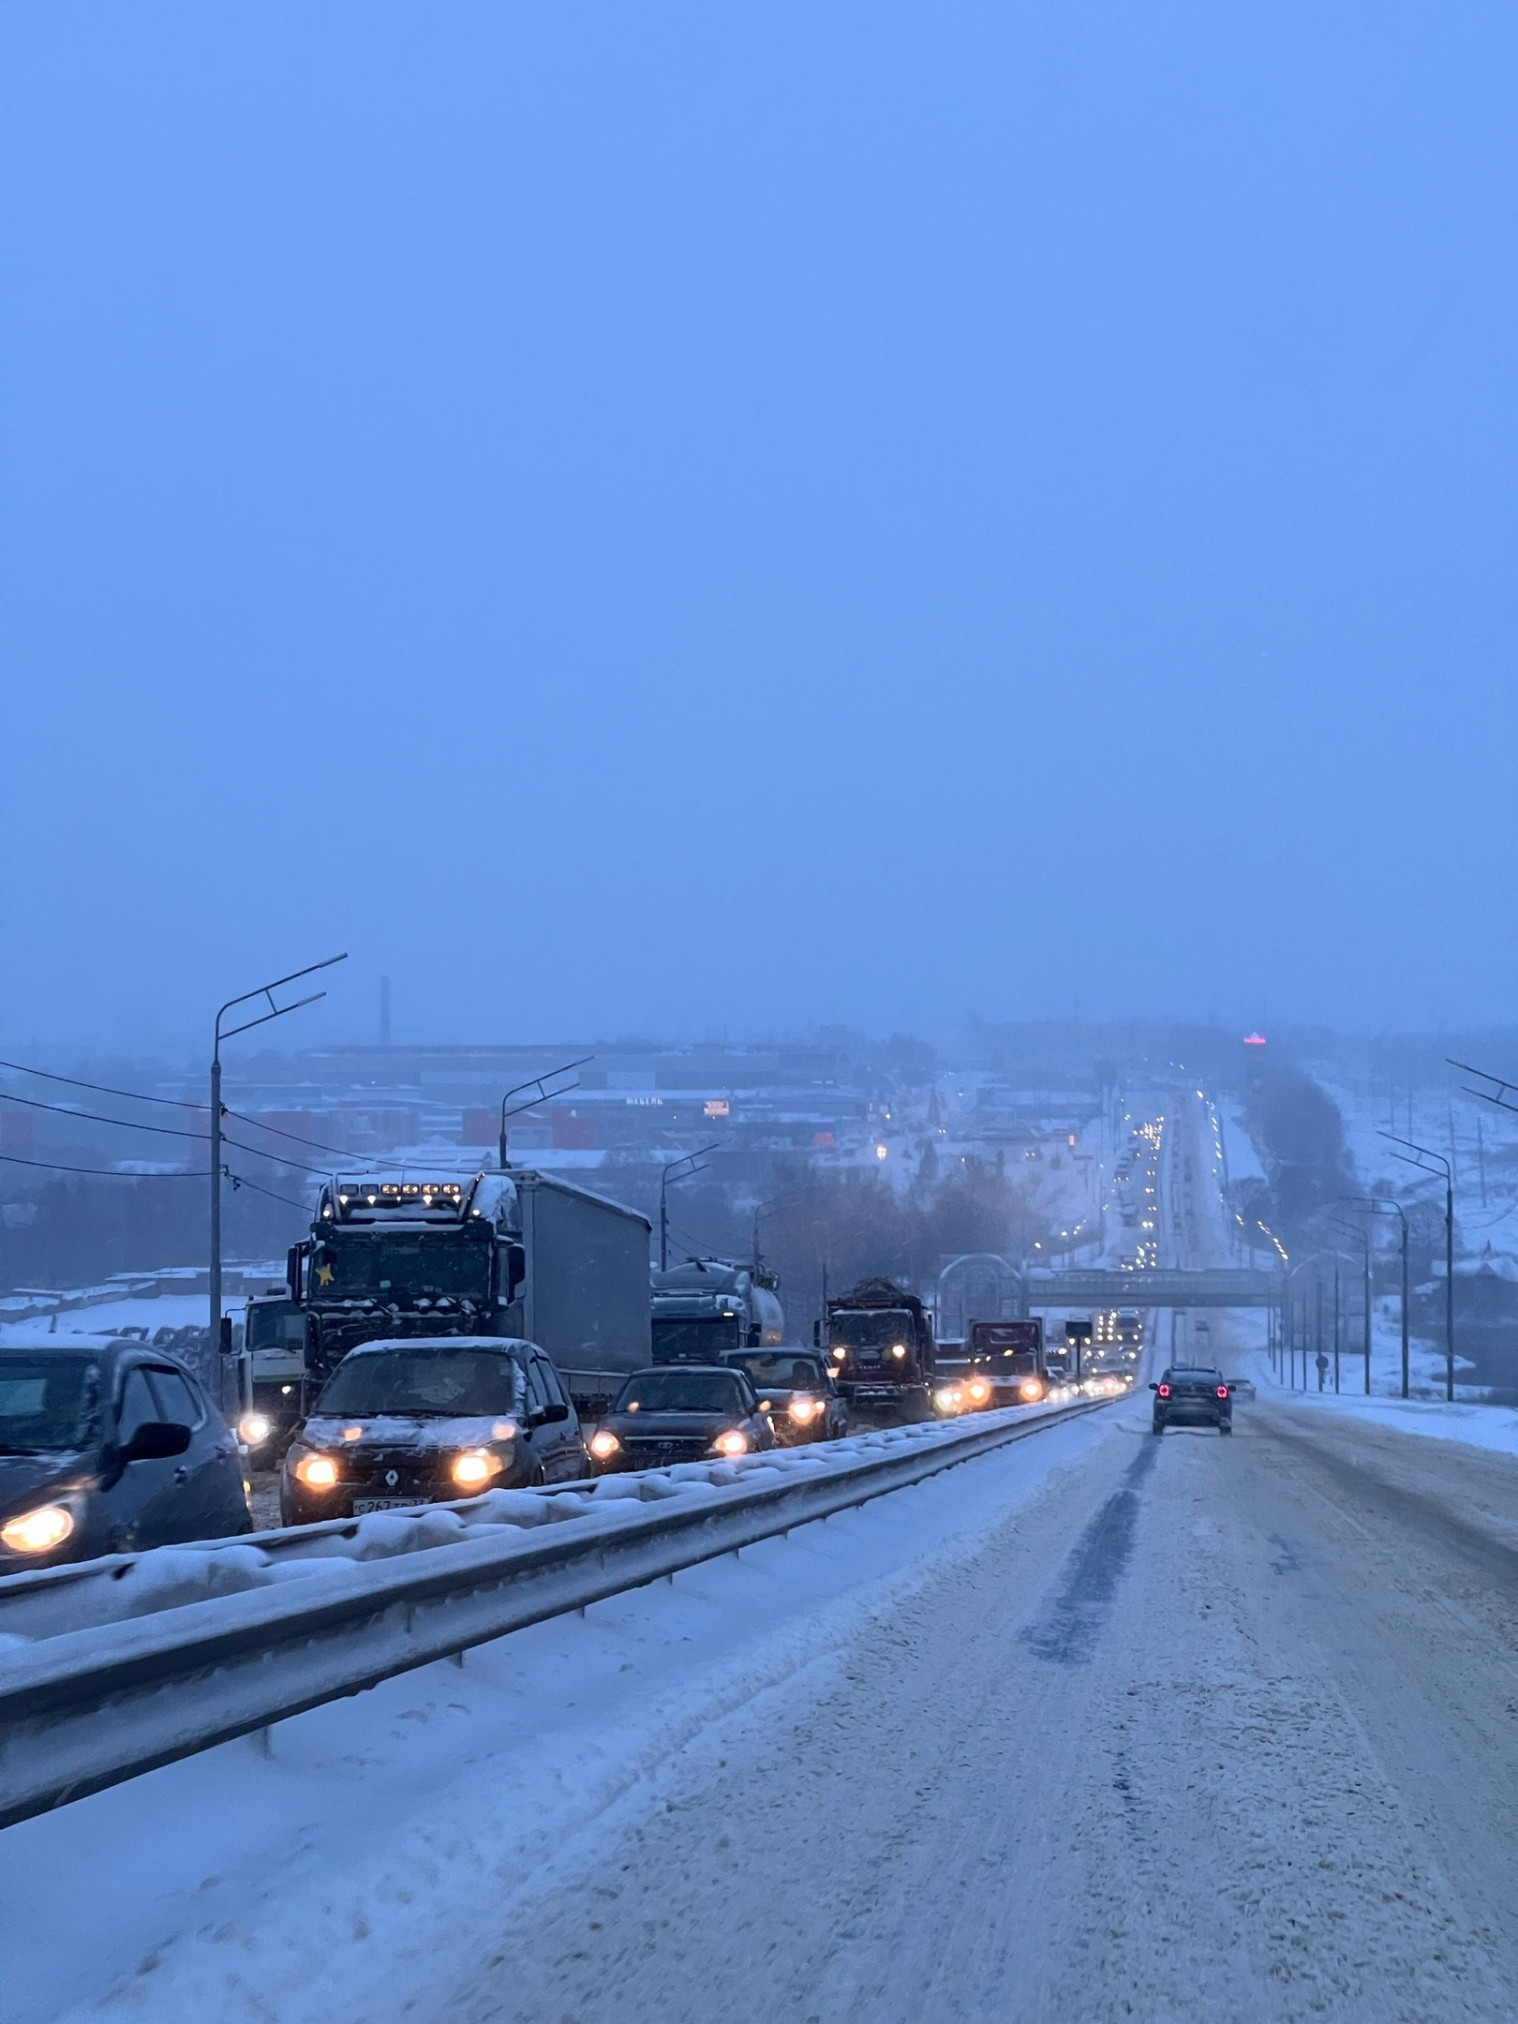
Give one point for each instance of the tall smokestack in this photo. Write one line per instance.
(384, 1011)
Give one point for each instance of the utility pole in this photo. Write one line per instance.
(275, 1011)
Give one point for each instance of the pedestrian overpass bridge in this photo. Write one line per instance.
(1223, 1286)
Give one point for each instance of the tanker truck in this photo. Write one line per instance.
(708, 1306)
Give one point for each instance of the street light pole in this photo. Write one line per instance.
(664, 1185)
(1336, 1325)
(1385, 1202)
(275, 1011)
(544, 1095)
(1449, 1250)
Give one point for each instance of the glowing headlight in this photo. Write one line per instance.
(38, 1531)
(948, 1398)
(731, 1443)
(474, 1467)
(979, 1390)
(604, 1445)
(804, 1409)
(317, 1472)
(898, 1349)
(254, 1429)
(1030, 1391)
(840, 1351)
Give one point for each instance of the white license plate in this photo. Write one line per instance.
(362, 1506)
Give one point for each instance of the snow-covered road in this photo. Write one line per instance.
(1103, 1727)
(1215, 1730)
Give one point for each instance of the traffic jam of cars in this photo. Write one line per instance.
(111, 1445)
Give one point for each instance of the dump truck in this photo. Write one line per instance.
(879, 1341)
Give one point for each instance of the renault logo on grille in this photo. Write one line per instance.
(392, 1477)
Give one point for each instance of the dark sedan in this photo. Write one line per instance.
(797, 1390)
(681, 1412)
(1190, 1395)
(108, 1446)
(428, 1421)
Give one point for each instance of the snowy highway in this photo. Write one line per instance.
(1097, 1726)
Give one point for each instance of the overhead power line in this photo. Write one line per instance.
(136, 1096)
(105, 1173)
(242, 1181)
(100, 1088)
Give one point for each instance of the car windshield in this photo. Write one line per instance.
(452, 1383)
(425, 1265)
(779, 1369)
(47, 1403)
(682, 1391)
(698, 1341)
(871, 1327)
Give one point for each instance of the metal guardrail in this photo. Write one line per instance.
(91, 1708)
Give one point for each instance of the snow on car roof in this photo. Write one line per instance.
(502, 1345)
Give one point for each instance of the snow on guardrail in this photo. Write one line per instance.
(49, 1602)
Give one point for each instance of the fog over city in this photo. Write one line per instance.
(758, 1028)
(651, 521)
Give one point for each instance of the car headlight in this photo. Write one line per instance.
(254, 1429)
(804, 1409)
(898, 1350)
(839, 1350)
(604, 1445)
(733, 1442)
(948, 1398)
(978, 1390)
(317, 1472)
(474, 1467)
(38, 1531)
(1030, 1391)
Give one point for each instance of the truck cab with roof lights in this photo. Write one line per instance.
(417, 1252)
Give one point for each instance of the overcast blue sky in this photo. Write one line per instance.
(697, 517)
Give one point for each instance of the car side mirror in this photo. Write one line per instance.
(156, 1441)
(1154, 1387)
(551, 1416)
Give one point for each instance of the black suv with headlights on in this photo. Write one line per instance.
(681, 1412)
(429, 1420)
(1190, 1395)
(797, 1391)
(108, 1446)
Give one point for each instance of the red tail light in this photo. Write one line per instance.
(1164, 1391)
(1222, 1391)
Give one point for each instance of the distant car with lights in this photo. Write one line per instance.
(1241, 1387)
(1192, 1395)
(419, 1421)
(681, 1412)
(109, 1446)
(797, 1391)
